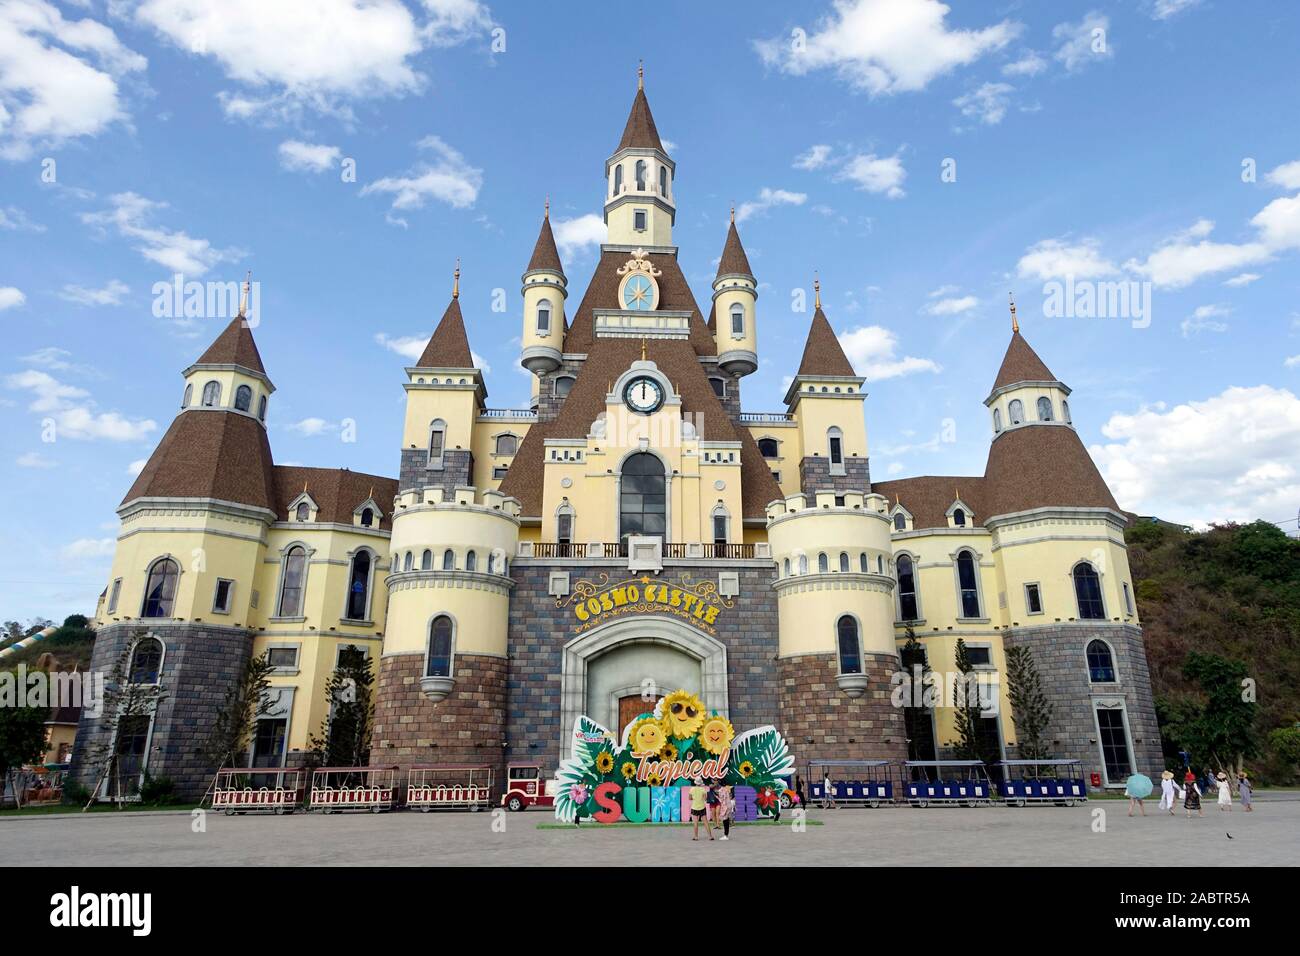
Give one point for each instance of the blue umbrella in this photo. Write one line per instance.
(1139, 785)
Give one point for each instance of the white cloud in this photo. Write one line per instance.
(1164, 9)
(90, 548)
(111, 294)
(815, 157)
(447, 178)
(132, 216)
(13, 218)
(10, 297)
(885, 46)
(952, 306)
(74, 411)
(988, 104)
(58, 78)
(1246, 278)
(298, 156)
(767, 199)
(1180, 261)
(1233, 457)
(1292, 362)
(34, 459)
(1029, 64)
(577, 235)
(408, 346)
(311, 427)
(1205, 318)
(873, 352)
(875, 174)
(480, 362)
(136, 467)
(1056, 259)
(1287, 175)
(1083, 42)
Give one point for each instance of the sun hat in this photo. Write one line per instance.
(1167, 775)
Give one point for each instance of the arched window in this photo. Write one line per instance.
(261, 408)
(900, 521)
(850, 649)
(844, 562)
(437, 442)
(449, 560)
(1017, 411)
(640, 174)
(367, 517)
(146, 661)
(189, 394)
(959, 518)
(769, 448)
(302, 512)
(293, 581)
(563, 385)
(1065, 412)
(787, 567)
(564, 525)
(823, 563)
(907, 606)
(471, 561)
(211, 394)
(1101, 664)
(968, 584)
(408, 560)
(618, 179)
(439, 662)
(803, 564)
(737, 319)
(243, 398)
(721, 521)
(426, 560)
(1044, 409)
(997, 419)
(160, 588)
(1087, 590)
(835, 446)
(663, 180)
(863, 565)
(507, 444)
(359, 587)
(642, 504)
(544, 317)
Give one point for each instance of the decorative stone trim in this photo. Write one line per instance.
(471, 580)
(834, 581)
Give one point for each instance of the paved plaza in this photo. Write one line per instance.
(993, 836)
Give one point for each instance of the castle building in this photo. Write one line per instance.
(632, 532)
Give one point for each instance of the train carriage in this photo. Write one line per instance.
(855, 783)
(250, 790)
(948, 783)
(449, 787)
(351, 789)
(1058, 782)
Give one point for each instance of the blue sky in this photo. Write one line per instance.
(1147, 141)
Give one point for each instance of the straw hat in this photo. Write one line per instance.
(1167, 775)
(1222, 775)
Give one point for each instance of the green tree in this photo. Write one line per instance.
(1031, 710)
(917, 706)
(344, 737)
(246, 702)
(1285, 742)
(1221, 729)
(22, 733)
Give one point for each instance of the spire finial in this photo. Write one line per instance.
(817, 291)
(640, 74)
(1015, 324)
(733, 212)
(547, 214)
(643, 349)
(243, 295)
(455, 280)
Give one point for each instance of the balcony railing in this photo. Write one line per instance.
(525, 413)
(765, 418)
(618, 549)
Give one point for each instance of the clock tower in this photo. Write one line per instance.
(639, 204)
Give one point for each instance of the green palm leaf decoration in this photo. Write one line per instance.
(589, 740)
(765, 751)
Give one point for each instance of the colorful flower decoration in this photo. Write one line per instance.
(655, 780)
(579, 793)
(716, 734)
(628, 770)
(766, 798)
(746, 769)
(682, 713)
(668, 752)
(604, 761)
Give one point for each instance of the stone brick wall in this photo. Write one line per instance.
(1059, 653)
(539, 630)
(200, 662)
(458, 469)
(821, 722)
(815, 475)
(466, 728)
(548, 406)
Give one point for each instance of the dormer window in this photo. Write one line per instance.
(959, 518)
(900, 522)
(189, 394)
(1016, 411)
(367, 517)
(302, 512)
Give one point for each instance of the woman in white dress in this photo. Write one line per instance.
(1225, 791)
(1167, 790)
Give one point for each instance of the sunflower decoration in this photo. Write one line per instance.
(605, 762)
(628, 770)
(682, 713)
(655, 780)
(668, 752)
(646, 735)
(746, 769)
(716, 734)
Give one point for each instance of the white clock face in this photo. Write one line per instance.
(643, 395)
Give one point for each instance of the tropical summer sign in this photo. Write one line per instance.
(646, 776)
(593, 602)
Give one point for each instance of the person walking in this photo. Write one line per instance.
(1134, 799)
(1167, 790)
(727, 811)
(798, 791)
(1243, 791)
(1192, 796)
(699, 809)
(714, 803)
(828, 793)
(1225, 792)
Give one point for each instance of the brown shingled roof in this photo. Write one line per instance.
(336, 491)
(640, 131)
(822, 353)
(1021, 364)
(545, 255)
(449, 345)
(602, 293)
(734, 261)
(927, 498)
(234, 346)
(209, 454)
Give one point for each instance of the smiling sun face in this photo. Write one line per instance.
(647, 736)
(683, 713)
(716, 734)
